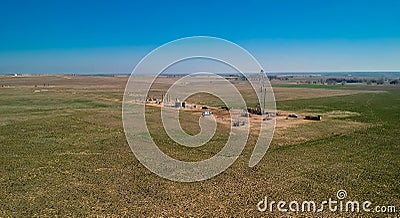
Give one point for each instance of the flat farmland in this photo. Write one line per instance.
(64, 152)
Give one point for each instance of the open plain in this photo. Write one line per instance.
(64, 152)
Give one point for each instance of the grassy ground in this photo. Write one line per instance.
(64, 153)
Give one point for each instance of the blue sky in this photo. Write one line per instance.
(112, 36)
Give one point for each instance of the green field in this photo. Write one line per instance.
(64, 153)
(315, 86)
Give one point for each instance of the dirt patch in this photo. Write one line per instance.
(293, 130)
(313, 130)
(341, 114)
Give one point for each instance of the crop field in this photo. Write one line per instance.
(64, 153)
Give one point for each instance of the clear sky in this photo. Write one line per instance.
(112, 36)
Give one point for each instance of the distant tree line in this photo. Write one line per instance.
(334, 81)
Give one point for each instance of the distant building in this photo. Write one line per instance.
(180, 104)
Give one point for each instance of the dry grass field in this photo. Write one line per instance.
(64, 153)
